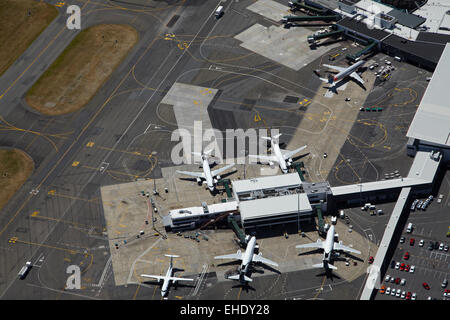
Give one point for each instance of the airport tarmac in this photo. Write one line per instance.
(57, 219)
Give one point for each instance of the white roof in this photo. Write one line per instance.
(274, 206)
(435, 13)
(196, 211)
(422, 171)
(268, 182)
(432, 120)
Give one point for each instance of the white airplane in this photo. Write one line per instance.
(282, 157)
(344, 72)
(248, 257)
(211, 177)
(168, 277)
(328, 247)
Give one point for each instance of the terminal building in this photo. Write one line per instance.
(406, 35)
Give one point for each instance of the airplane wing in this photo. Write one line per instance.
(173, 279)
(264, 158)
(338, 246)
(287, 154)
(317, 245)
(334, 67)
(219, 171)
(193, 174)
(355, 76)
(259, 258)
(236, 256)
(159, 278)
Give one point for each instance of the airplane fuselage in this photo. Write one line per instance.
(208, 176)
(248, 255)
(329, 243)
(277, 152)
(166, 282)
(341, 75)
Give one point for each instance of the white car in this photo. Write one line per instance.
(397, 265)
(398, 293)
(414, 296)
(387, 278)
(393, 292)
(388, 290)
(441, 246)
(403, 295)
(412, 269)
(421, 243)
(403, 282)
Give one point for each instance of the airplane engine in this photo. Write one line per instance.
(218, 177)
(215, 180)
(199, 181)
(290, 161)
(271, 164)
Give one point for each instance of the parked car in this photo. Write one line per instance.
(408, 295)
(412, 269)
(403, 282)
(421, 243)
(398, 293)
(403, 294)
(441, 246)
(426, 286)
(444, 283)
(388, 290)
(446, 248)
(402, 239)
(393, 264)
(388, 277)
(402, 267)
(412, 241)
(436, 245)
(406, 256)
(431, 246)
(382, 289)
(397, 280)
(370, 260)
(397, 265)
(407, 268)
(413, 296)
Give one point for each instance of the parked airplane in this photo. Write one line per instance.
(343, 73)
(329, 246)
(211, 177)
(248, 257)
(282, 157)
(168, 277)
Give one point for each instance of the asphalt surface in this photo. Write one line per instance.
(56, 218)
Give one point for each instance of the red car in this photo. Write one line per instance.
(406, 256)
(408, 295)
(407, 268)
(397, 280)
(426, 286)
(411, 242)
(402, 267)
(370, 260)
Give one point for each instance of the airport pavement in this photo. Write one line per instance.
(56, 219)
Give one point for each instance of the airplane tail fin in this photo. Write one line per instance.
(324, 265)
(240, 277)
(171, 256)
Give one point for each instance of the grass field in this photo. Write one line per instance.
(18, 29)
(81, 69)
(15, 168)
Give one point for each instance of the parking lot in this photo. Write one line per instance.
(431, 263)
